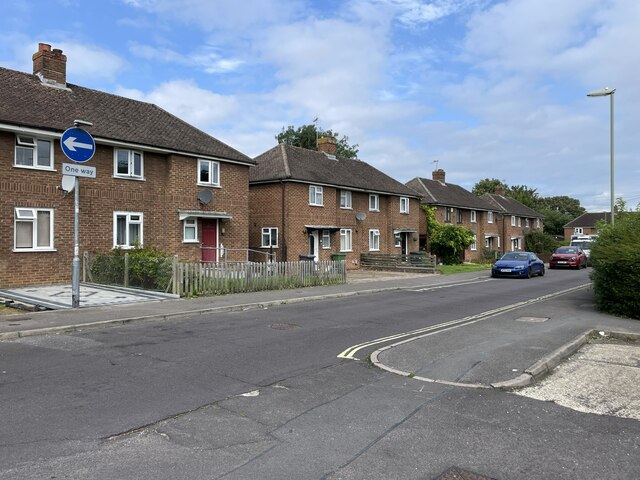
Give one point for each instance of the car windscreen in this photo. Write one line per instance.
(567, 250)
(514, 256)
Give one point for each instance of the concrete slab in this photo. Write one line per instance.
(57, 297)
(599, 378)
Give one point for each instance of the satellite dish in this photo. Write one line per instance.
(68, 183)
(205, 197)
(361, 216)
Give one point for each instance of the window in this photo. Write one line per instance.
(519, 221)
(208, 173)
(374, 239)
(33, 152)
(537, 223)
(269, 237)
(577, 230)
(489, 217)
(515, 244)
(374, 203)
(315, 196)
(513, 220)
(345, 239)
(474, 245)
(398, 240)
(127, 163)
(404, 204)
(33, 229)
(127, 229)
(326, 239)
(526, 222)
(447, 214)
(459, 215)
(345, 199)
(473, 216)
(190, 230)
(487, 242)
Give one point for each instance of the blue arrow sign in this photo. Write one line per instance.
(77, 144)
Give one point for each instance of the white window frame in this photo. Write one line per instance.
(130, 220)
(213, 169)
(447, 214)
(346, 240)
(326, 239)
(397, 238)
(513, 220)
(346, 200)
(374, 202)
(474, 245)
(537, 223)
(404, 204)
(526, 223)
(131, 163)
(30, 215)
(578, 230)
(271, 234)
(516, 244)
(374, 240)
(23, 143)
(489, 217)
(474, 217)
(190, 224)
(520, 221)
(316, 196)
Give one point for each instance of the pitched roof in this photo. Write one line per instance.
(510, 206)
(434, 192)
(26, 102)
(588, 219)
(299, 164)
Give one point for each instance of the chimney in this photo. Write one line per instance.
(438, 175)
(500, 190)
(327, 145)
(50, 65)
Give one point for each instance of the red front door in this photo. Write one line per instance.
(209, 240)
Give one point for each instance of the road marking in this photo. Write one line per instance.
(350, 352)
(448, 285)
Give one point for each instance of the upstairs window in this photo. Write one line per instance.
(269, 237)
(208, 173)
(127, 163)
(447, 214)
(473, 216)
(459, 215)
(127, 229)
(33, 229)
(315, 196)
(345, 199)
(33, 152)
(374, 202)
(489, 217)
(404, 204)
(513, 220)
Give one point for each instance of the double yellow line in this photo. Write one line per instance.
(351, 351)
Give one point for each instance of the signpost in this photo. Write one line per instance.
(78, 145)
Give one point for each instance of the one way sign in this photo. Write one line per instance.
(77, 144)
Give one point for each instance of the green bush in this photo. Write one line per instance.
(148, 268)
(615, 257)
(448, 243)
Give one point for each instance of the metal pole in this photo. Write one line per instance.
(75, 265)
(612, 194)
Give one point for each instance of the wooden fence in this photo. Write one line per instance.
(193, 279)
(411, 262)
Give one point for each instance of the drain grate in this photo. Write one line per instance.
(284, 326)
(455, 473)
(532, 319)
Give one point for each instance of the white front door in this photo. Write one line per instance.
(313, 244)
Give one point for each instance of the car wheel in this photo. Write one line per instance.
(541, 271)
(529, 273)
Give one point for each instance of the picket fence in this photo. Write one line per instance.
(199, 278)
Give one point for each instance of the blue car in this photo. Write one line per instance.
(518, 264)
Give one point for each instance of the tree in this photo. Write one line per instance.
(307, 136)
(488, 185)
(448, 242)
(565, 205)
(525, 195)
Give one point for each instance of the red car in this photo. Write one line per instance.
(572, 257)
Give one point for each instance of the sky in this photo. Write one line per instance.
(478, 88)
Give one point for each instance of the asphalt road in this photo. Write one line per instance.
(263, 394)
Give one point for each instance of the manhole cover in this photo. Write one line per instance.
(532, 319)
(284, 326)
(455, 473)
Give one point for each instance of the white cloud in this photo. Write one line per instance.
(206, 59)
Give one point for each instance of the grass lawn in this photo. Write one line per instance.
(465, 267)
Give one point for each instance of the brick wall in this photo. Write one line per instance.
(169, 185)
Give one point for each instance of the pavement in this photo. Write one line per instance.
(594, 357)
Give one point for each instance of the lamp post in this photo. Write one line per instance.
(603, 93)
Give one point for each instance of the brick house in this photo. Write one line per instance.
(312, 203)
(585, 224)
(515, 220)
(159, 181)
(456, 206)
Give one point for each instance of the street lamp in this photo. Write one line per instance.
(603, 93)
